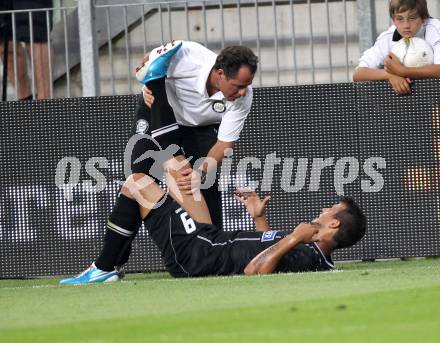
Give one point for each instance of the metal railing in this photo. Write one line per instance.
(293, 46)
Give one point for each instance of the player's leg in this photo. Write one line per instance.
(125, 213)
(145, 191)
(194, 204)
(124, 220)
(162, 115)
(157, 210)
(196, 142)
(172, 228)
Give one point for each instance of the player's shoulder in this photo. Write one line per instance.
(244, 103)
(432, 29)
(196, 49)
(247, 99)
(188, 62)
(190, 58)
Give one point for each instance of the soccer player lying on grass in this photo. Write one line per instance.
(190, 248)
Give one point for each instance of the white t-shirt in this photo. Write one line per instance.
(186, 91)
(374, 57)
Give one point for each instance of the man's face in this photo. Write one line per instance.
(327, 215)
(408, 23)
(235, 88)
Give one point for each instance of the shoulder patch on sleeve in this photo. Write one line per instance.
(268, 236)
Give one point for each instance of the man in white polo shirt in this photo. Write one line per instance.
(202, 103)
(411, 19)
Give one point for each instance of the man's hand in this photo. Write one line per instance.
(189, 182)
(254, 205)
(393, 66)
(268, 260)
(148, 96)
(305, 233)
(401, 85)
(146, 92)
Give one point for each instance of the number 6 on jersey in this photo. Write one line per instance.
(188, 222)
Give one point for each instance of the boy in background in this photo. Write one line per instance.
(411, 19)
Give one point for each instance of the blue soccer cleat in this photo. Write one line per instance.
(93, 275)
(158, 61)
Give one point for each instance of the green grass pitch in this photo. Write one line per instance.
(393, 301)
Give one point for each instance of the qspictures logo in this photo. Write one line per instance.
(297, 173)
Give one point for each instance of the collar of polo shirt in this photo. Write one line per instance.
(201, 86)
(203, 77)
(217, 96)
(422, 31)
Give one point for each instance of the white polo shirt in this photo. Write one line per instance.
(374, 57)
(186, 90)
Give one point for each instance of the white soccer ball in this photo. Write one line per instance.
(414, 52)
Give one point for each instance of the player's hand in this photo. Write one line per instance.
(146, 92)
(393, 66)
(189, 181)
(254, 205)
(306, 233)
(401, 85)
(148, 96)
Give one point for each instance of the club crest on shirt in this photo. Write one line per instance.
(141, 126)
(268, 236)
(219, 106)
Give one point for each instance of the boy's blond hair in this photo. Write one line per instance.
(397, 6)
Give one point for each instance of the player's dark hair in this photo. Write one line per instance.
(397, 6)
(353, 224)
(232, 58)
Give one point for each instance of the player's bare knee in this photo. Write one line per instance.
(135, 183)
(177, 163)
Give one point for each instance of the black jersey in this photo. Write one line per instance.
(194, 249)
(240, 247)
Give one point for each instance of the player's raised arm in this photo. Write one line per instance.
(267, 260)
(255, 207)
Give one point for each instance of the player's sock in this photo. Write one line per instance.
(122, 224)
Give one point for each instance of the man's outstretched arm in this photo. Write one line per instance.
(255, 207)
(267, 260)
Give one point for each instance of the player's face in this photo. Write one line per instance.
(328, 214)
(236, 87)
(408, 23)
